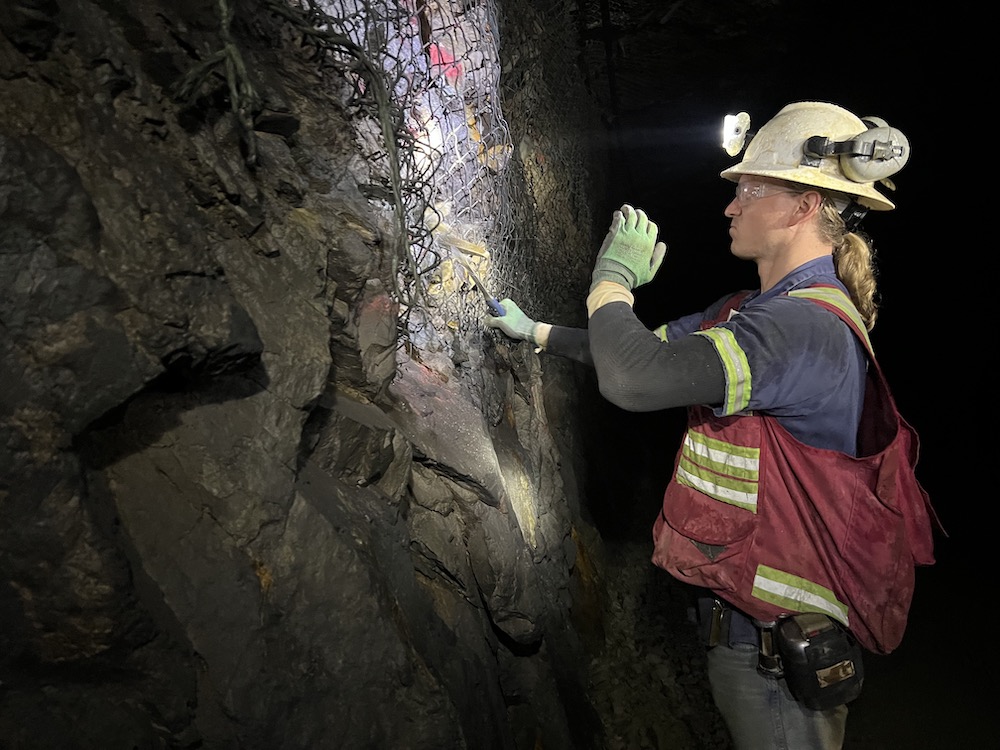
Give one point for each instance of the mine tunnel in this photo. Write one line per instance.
(269, 482)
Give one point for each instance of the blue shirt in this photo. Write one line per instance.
(806, 367)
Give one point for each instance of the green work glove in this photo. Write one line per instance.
(514, 323)
(630, 254)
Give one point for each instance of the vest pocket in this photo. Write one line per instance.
(709, 516)
(702, 540)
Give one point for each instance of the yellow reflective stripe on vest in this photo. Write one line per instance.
(797, 594)
(723, 471)
(838, 299)
(734, 361)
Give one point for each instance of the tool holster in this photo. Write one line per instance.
(819, 658)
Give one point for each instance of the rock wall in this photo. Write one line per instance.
(234, 512)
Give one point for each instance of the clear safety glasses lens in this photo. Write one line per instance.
(748, 192)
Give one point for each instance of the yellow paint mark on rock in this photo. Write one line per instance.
(263, 575)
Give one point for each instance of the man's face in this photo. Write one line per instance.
(758, 211)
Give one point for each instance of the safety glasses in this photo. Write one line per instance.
(748, 192)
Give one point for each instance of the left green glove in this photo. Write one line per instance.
(514, 322)
(630, 254)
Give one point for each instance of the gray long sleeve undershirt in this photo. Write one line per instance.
(635, 370)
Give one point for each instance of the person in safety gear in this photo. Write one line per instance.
(793, 510)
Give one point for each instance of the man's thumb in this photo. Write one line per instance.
(659, 253)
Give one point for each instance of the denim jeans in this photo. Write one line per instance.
(761, 713)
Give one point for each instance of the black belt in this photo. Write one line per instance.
(724, 625)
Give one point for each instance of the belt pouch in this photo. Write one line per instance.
(821, 659)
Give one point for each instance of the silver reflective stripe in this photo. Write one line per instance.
(723, 471)
(734, 362)
(797, 594)
(838, 299)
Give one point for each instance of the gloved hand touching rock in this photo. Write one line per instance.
(630, 254)
(514, 323)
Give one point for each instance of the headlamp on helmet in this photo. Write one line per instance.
(734, 132)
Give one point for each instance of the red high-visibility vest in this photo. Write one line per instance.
(775, 526)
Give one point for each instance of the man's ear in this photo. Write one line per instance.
(809, 204)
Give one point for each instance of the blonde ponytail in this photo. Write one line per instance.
(854, 259)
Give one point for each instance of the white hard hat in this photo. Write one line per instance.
(825, 146)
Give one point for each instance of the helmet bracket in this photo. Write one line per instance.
(819, 146)
(852, 215)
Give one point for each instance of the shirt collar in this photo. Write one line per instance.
(817, 270)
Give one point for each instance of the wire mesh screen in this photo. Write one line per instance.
(427, 82)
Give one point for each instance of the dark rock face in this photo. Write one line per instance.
(234, 512)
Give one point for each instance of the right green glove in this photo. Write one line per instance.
(630, 254)
(515, 323)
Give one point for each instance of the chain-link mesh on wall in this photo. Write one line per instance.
(428, 119)
(428, 82)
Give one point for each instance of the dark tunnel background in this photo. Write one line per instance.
(666, 159)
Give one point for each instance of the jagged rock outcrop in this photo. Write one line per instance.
(233, 512)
